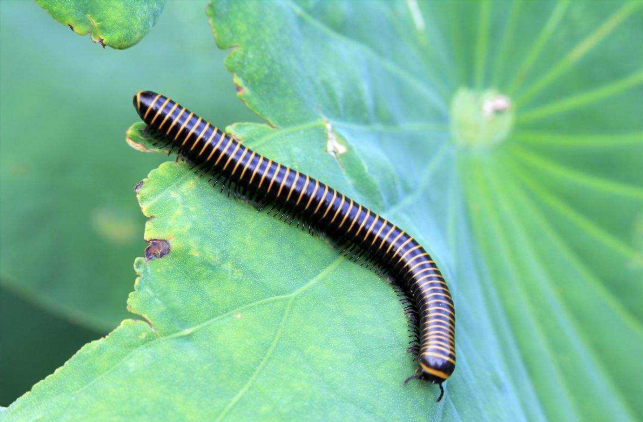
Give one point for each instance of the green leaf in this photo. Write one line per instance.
(70, 225)
(506, 137)
(117, 23)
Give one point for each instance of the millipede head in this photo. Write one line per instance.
(435, 370)
(422, 375)
(143, 100)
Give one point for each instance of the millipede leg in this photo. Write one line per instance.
(415, 376)
(441, 393)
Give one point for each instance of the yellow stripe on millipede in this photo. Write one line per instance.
(440, 290)
(435, 294)
(359, 229)
(158, 112)
(167, 116)
(198, 121)
(264, 173)
(293, 186)
(432, 336)
(245, 168)
(442, 342)
(313, 195)
(434, 316)
(440, 348)
(443, 347)
(348, 212)
(341, 204)
(198, 138)
(417, 265)
(359, 211)
(322, 199)
(254, 170)
(420, 255)
(274, 176)
(433, 320)
(224, 151)
(431, 268)
(448, 324)
(438, 278)
(435, 336)
(439, 344)
(283, 181)
(178, 117)
(151, 106)
(402, 246)
(438, 334)
(231, 156)
(435, 372)
(330, 204)
(303, 191)
(419, 285)
(433, 325)
(216, 146)
(446, 302)
(391, 230)
(183, 126)
(377, 235)
(439, 308)
(369, 228)
(245, 151)
(406, 253)
(394, 241)
(437, 288)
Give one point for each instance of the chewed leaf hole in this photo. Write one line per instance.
(157, 248)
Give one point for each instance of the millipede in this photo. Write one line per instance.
(360, 231)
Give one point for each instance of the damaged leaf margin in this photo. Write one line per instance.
(119, 24)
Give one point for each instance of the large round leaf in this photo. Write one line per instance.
(505, 136)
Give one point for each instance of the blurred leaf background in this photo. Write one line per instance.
(71, 226)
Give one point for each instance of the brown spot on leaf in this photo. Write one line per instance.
(240, 90)
(238, 84)
(71, 26)
(157, 248)
(137, 187)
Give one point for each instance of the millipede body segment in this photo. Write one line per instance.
(329, 211)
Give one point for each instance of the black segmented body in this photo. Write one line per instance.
(336, 215)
